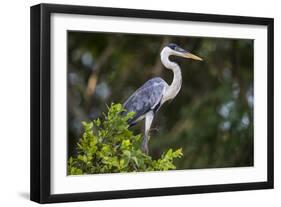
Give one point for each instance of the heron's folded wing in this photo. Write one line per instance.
(146, 98)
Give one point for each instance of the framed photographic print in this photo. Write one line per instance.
(132, 103)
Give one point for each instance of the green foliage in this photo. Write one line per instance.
(108, 146)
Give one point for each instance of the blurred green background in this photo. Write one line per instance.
(211, 118)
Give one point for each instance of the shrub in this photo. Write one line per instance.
(109, 146)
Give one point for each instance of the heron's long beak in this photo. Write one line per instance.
(191, 56)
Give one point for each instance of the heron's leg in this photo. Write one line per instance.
(148, 121)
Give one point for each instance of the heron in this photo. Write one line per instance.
(147, 100)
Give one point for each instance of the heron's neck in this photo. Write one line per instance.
(175, 86)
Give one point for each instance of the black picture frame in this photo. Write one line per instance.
(41, 99)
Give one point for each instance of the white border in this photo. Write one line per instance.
(60, 183)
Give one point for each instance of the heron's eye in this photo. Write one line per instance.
(172, 46)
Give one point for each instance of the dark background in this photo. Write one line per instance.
(211, 118)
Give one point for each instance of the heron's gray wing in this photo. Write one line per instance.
(147, 97)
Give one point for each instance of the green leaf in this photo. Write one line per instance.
(97, 122)
(127, 153)
(135, 160)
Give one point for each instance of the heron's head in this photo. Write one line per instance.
(173, 49)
